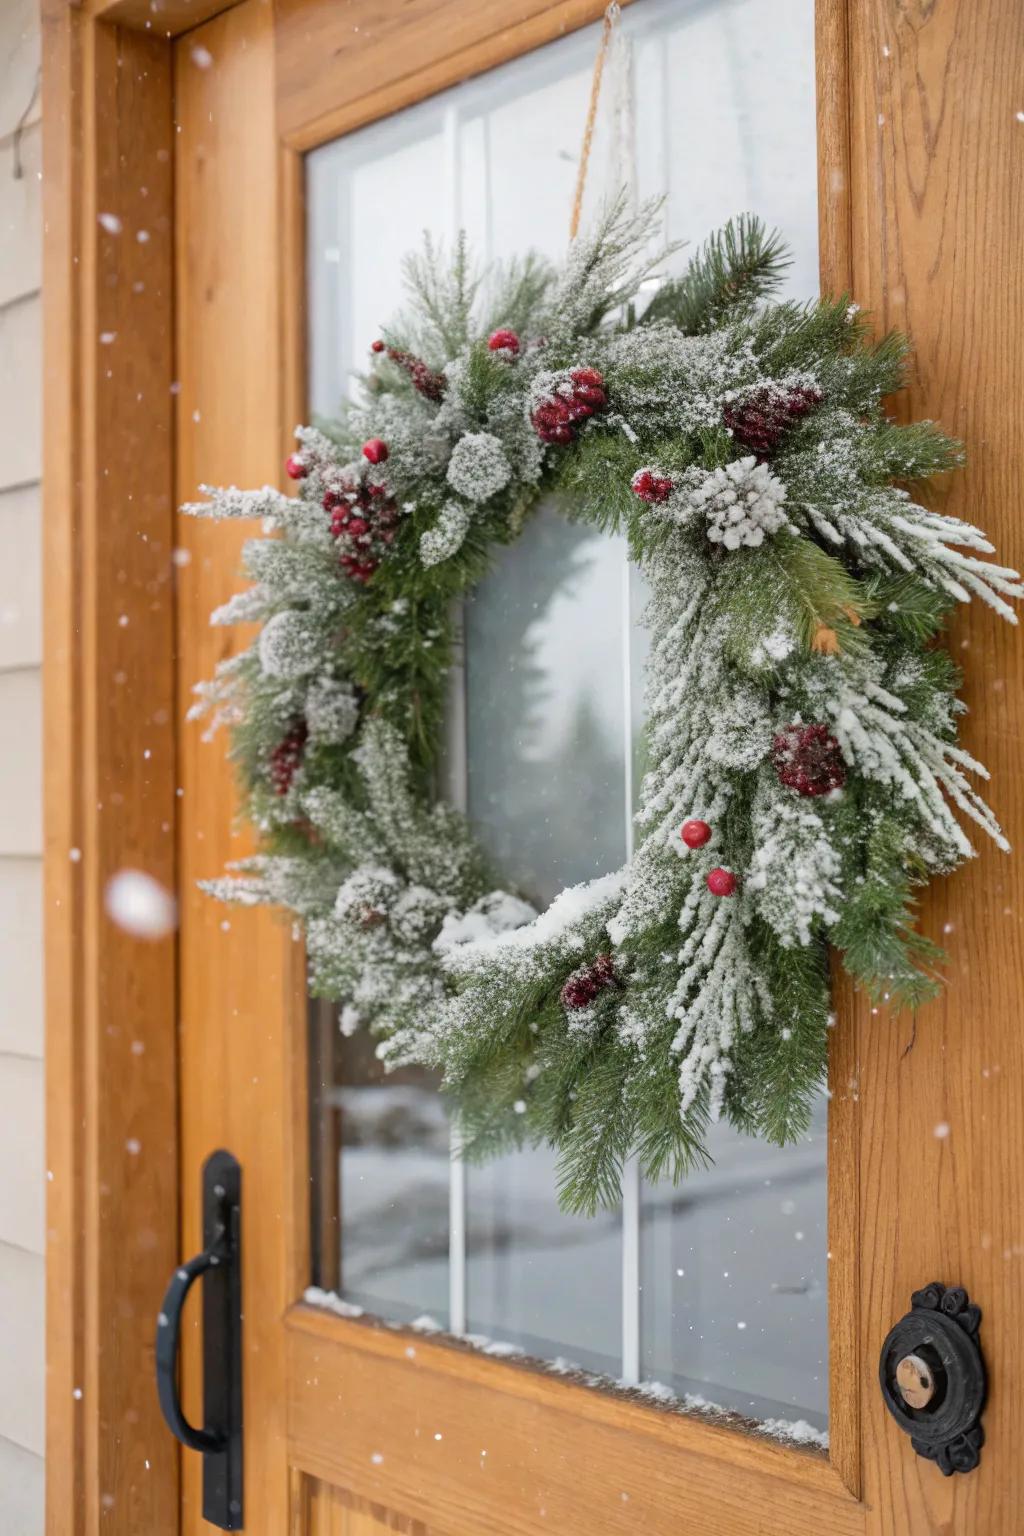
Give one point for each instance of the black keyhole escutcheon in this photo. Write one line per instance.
(932, 1375)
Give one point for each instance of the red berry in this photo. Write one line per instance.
(295, 468)
(376, 450)
(357, 526)
(650, 487)
(587, 376)
(695, 833)
(503, 341)
(590, 394)
(377, 346)
(721, 882)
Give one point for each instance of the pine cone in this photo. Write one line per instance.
(762, 418)
(425, 381)
(583, 986)
(286, 758)
(807, 758)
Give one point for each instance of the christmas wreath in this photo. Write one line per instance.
(802, 765)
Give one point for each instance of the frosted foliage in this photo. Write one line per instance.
(288, 645)
(742, 502)
(878, 735)
(494, 914)
(266, 503)
(670, 379)
(332, 710)
(478, 468)
(446, 537)
(795, 870)
(719, 995)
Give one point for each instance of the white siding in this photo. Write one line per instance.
(21, 577)
(22, 1183)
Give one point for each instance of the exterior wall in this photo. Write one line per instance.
(22, 1233)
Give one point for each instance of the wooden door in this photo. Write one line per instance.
(358, 1427)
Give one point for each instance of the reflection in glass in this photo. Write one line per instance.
(545, 704)
(735, 1287)
(380, 1178)
(535, 1277)
(547, 680)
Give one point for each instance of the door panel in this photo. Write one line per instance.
(342, 1412)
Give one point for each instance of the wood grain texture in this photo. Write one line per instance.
(404, 1422)
(109, 770)
(242, 1009)
(832, 70)
(342, 66)
(161, 18)
(937, 194)
(336, 1512)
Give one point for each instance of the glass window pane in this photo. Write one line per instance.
(734, 1292)
(723, 119)
(545, 703)
(546, 673)
(380, 1178)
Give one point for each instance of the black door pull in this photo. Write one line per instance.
(219, 1268)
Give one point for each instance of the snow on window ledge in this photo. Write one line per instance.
(797, 1432)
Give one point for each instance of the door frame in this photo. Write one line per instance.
(114, 1007)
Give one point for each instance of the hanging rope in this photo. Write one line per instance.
(611, 16)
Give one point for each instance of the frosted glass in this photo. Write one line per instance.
(549, 748)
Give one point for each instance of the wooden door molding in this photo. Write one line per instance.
(162, 19)
(443, 1435)
(110, 773)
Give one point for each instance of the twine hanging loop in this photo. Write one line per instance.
(611, 17)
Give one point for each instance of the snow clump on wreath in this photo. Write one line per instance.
(803, 775)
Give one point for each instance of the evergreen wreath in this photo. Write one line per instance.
(802, 765)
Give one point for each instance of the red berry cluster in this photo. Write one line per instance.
(286, 758)
(503, 341)
(759, 421)
(651, 487)
(364, 517)
(425, 380)
(584, 985)
(558, 418)
(808, 759)
(720, 882)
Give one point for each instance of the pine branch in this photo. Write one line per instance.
(738, 265)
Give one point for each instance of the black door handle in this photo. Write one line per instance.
(219, 1267)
